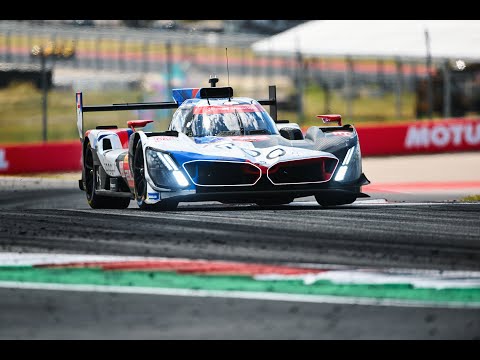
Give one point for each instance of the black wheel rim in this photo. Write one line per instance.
(138, 173)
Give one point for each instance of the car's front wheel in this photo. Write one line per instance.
(140, 187)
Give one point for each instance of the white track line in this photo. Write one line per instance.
(32, 259)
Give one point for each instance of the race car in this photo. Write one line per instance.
(218, 147)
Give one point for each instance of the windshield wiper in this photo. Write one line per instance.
(227, 133)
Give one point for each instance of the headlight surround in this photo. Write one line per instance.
(164, 171)
(350, 168)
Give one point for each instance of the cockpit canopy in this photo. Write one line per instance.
(222, 117)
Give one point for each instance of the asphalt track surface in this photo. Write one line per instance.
(375, 233)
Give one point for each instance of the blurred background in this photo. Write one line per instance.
(411, 251)
(44, 62)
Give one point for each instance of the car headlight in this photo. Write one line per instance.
(163, 170)
(350, 168)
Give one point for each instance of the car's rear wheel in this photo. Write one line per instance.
(335, 201)
(140, 187)
(95, 200)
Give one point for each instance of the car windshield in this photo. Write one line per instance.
(231, 119)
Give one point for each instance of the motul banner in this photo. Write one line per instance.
(39, 158)
(421, 136)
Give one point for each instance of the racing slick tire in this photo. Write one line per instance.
(335, 201)
(95, 200)
(140, 187)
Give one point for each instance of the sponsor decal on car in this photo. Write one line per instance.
(225, 109)
(154, 196)
(163, 138)
(249, 138)
(125, 171)
(3, 160)
(341, 133)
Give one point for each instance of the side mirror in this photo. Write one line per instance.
(331, 118)
(133, 124)
(291, 133)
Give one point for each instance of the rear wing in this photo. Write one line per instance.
(115, 107)
(271, 101)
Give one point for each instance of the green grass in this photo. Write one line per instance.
(471, 198)
(21, 104)
(367, 108)
(21, 117)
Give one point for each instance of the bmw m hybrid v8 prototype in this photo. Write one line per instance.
(218, 147)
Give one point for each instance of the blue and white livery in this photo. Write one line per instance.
(218, 148)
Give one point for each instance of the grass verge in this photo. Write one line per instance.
(471, 198)
(21, 117)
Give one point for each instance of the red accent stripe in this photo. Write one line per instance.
(191, 267)
(249, 138)
(123, 135)
(263, 168)
(224, 109)
(138, 123)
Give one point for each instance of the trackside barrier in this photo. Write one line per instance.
(415, 137)
(421, 136)
(40, 158)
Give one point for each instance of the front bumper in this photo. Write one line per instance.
(264, 189)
